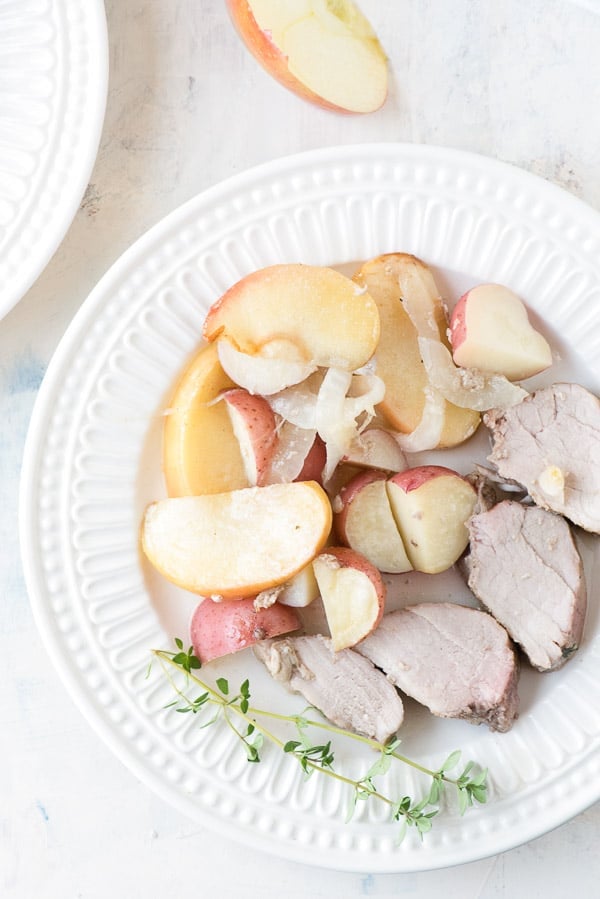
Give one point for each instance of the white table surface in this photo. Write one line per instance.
(188, 107)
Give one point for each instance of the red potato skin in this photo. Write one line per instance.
(221, 628)
(270, 57)
(312, 470)
(413, 478)
(348, 493)
(260, 421)
(458, 322)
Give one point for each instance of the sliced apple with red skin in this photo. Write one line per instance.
(431, 505)
(353, 594)
(297, 313)
(201, 454)
(221, 628)
(398, 359)
(253, 423)
(324, 51)
(364, 521)
(237, 543)
(490, 330)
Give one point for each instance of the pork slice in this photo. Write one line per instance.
(343, 685)
(552, 436)
(524, 567)
(457, 661)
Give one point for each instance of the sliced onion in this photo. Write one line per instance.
(335, 425)
(298, 404)
(364, 393)
(420, 298)
(466, 387)
(259, 374)
(428, 432)
(292, 449)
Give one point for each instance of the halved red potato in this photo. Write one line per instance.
(253, 423)
(220, 628)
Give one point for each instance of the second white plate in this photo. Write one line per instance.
(92, 463)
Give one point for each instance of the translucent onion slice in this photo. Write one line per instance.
(259, 374)
(298, 404)
(466, 387)
(336, 426)
(421, 299)
(364, 393)
(292, 449)
(427, 434)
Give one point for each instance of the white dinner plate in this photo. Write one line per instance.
(53, 82)
(92, 463)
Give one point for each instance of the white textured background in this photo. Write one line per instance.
(187, 107)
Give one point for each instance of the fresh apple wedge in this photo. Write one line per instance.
(253, 423)
(364, 521)
(237, 543)
(353, 595)
(431, 505)
(398, 358)
(376, 448)
(201, 454)
(297, 313)
(490, 330)
(221, 628)
(324, 51)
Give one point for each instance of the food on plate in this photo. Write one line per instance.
(490, 330)
(376, 448)
(221, 628)
(324, 51)
(409, 398)
(201, 454)
(353, 594)
(457, 661)
(297, 313)
(345, 686)
(364, 520)
(237, 543)
(431, 505)
(550, 443)
(525, 569)
(300, 590)
(254, 426)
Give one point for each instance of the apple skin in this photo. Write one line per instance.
(490, 330)
(221, 628)
(254, 425)
(431, 505)
(353, 594)
(275, 62)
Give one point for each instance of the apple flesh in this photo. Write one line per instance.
(431, 505)
(323, 51)
(253, 423)
(490, 330)
(398, 358)
(221, 628)
(353, 595)
(201, 454)
(364, 521)
(297, 313)
(237, 543)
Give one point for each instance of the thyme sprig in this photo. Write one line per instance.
(248, 723)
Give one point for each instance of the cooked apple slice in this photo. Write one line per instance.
(364, 521)
(353, 594)
(221, 628)
(201, 454)
(298, 313)
(398, 358)
(323, 50)
(237, 543)
(376, 448)
(431, 505)
(253, 423)
(490, 330)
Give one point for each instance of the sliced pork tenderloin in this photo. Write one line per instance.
(524, 568)
(457, 661)
(343, 685)
(550, 443)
